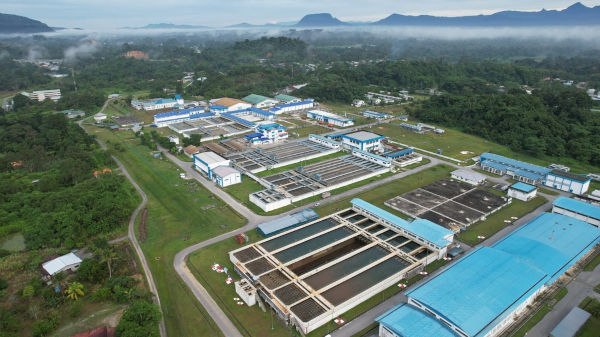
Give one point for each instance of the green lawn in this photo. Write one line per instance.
(454, 143)
(592, 265)
(181, 213)
(250, 321)
(495, 222)
(306, 130)
(592, 326)
(13, 242)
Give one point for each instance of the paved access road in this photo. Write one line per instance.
(254, 220)
(131, 229)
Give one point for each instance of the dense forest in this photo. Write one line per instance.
(554, 121)
(49, 191)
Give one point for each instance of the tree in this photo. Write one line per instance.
(108, 255)
(91, 270)
(140, 319)
(74, 290)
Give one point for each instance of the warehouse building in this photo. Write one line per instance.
(62, 263)
(287, 99)
(225, 176)
(404, 156)
(259, 101)
(293, 106)
(177, 116)
(205, 162)
(568, 182)
(577, 209)
(328, 266)
(363, 140)
(485, 291)
(468, 176)
(287, 222)
(518, 170)
(231, 104)
(325, 117)
(158, 104)
(376, 115)
(522, 191)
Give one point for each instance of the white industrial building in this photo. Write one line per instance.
(522, 191)
(577, 209)
(568, 182)
(207, 161)
(225, 176)
(325, 117)
(246, 291)
(293, 106)
(99, 117)
(158, 104)
(260, 102)
(363, 140)
(62, 263)
(41, 95)
(468, 176)
(232, 104)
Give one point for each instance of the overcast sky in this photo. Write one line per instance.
(107, 14)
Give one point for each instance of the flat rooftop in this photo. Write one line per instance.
(363, 136)
(578, 206)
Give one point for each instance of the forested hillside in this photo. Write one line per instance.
(48, 189)
(552, 121)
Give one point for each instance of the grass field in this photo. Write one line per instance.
(181, 212)
(592, 265)
(592, 326)
(495, 222)
(463, 146)
(251, 321)
(13, 242)
(304, 131)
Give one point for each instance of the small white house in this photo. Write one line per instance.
(363, 140)
(522, 191)
(225, 176)
(99, 117)
(468, 176)
(174, 139)
(62, 263)
(206, 162)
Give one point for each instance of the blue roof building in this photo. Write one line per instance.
(523, 187)
(483, 291)
(399, 153)
(568, 182)
(422, 230)
(363, 140)
(522, 171)
(329, 118)
(373, 114)
(577, 209)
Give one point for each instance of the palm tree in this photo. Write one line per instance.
(109, 255)
(74, 290)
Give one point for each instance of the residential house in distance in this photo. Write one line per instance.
(41, 95)
(260, 102)
(358, 103)
(376, 115)
(231, 104)
(136, 54)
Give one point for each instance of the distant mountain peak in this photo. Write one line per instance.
(320, 20)
(10, 23)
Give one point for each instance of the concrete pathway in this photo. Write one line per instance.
(578, 289)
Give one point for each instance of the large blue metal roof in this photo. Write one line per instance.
(306, 101)
(552, 242)
(177, 112)
(481, 289)
(514, 163)
(478, 289)
(421, 227)
(408, 321)
(578, 207)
